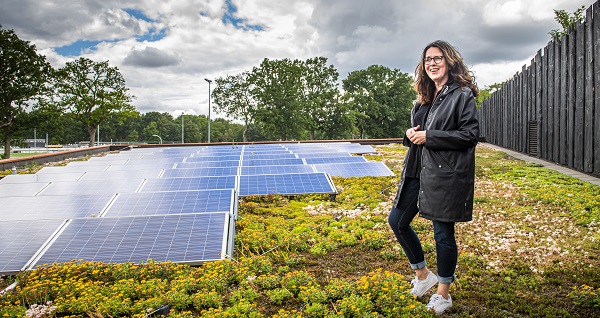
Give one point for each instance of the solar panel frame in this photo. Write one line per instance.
(273, 162)
(81, 168)
(277, 169)
(320, 160)
(47, 177)
(92, 187)
(355, 169)
(94, 163)
(261, 156)
(286, 184)
(213, 158)
(188, 184)
(22, 189)
(175, 202)
(53, 207)
(150, 160)
(355, 148)
(200, 172)
(122, 175)
(144, 166)
(196, 238)
(207, 164)
(21, 240)
(323, 154)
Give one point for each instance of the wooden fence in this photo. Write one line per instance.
(551, 109)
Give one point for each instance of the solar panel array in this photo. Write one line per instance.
(172, 203)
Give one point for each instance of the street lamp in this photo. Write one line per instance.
(158, 138)
(209, 81)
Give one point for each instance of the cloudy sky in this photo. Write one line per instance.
(166, 48)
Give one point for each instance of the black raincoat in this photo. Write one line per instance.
(448, 158)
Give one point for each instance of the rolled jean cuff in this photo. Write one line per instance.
(419, 265)
(446, 280)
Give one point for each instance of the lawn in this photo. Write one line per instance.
(532, 250)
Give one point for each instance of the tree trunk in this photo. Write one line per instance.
(312, 134)
(92, 132)
(7, 135)
(245, 139)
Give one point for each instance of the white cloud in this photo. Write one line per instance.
(496, 37)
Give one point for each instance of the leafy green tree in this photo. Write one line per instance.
(121, 129)
(566, 19)
(278, 91)
(233, 97)
(91, 92)
(196, 128)
(336, 121)
(380, 100)
(22, 76)
(320, 95)
(166, 127)
(484, 93)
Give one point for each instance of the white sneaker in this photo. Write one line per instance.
(420, 287)
(439, 304)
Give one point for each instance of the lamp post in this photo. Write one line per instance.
(209, 81)
(158, 138)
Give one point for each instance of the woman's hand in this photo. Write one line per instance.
(415, 135)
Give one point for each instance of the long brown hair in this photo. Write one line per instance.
(458, 73)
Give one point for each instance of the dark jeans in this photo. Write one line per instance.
(445, 245)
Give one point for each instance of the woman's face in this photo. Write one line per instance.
(438, 72)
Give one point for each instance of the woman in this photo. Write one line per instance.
(439, 169)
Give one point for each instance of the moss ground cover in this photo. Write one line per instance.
(531, 251)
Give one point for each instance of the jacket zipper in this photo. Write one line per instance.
(430, 112)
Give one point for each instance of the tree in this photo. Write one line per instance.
(380, 99)
(22, 77)
(566, 20)
(233, 97)
(320, 95)
(91, 92)
(277, 90)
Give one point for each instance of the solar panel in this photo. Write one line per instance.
(200, 172)
(213, 152)
(263, 147)
(52, 207)
(123, 174)
(354, 148)
(207, 164)
(323, 154)
(154, 160)
(189, 238)
(311, 161)
(252, 170)
(287, 184)
(187, 184)
(144, 166)
(272, 162)
(356, 169)
(261, 156)
(92, 187)
(213, 158)
(74, 168)
(20, 240)
(21, 189)
(47, 177)
(182, 202)
(91, 163)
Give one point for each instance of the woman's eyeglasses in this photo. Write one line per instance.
(435, 60)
